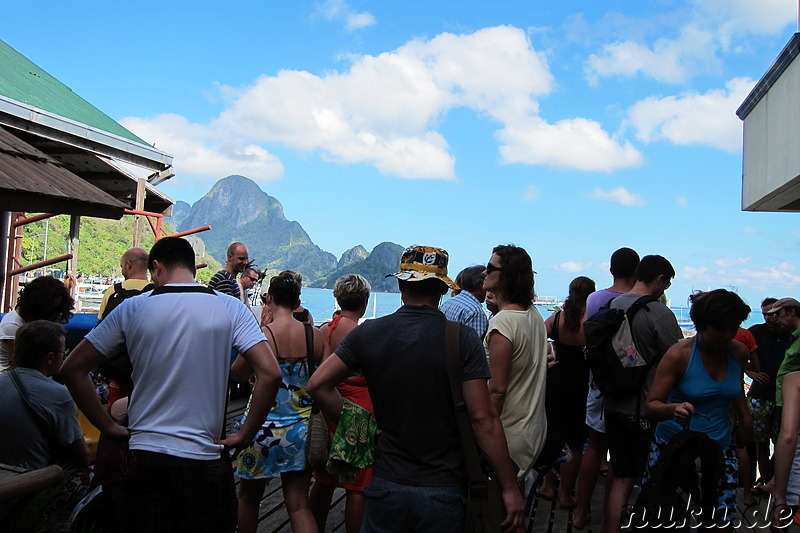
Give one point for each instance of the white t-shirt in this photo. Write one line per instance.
(523, 418)
(180, 346)
(8, 331)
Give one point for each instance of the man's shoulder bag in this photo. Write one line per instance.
(485, 509)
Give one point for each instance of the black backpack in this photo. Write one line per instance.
(677, 493)
(118, 367)
(618, 369)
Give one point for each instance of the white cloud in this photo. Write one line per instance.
(703, 31)
(746, 16)
(749, 230)
(682, 201)
(693, 118)
(782, 276)
(620, 195)
(341, 10)
(532, 193)
(572, 267)
(695, 275)
(204, 152)
(575, 143)
(727, 262)
(667, 60)
(384, 110)
(356, 21)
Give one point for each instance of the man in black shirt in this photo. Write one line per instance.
(419, 477)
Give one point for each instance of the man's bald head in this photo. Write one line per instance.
(134, 263)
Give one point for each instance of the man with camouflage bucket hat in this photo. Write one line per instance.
(419, 479)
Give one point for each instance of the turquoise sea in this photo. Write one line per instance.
(322, 305)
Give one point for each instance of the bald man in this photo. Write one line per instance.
(134, 269)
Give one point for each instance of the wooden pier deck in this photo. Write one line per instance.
(546, 516)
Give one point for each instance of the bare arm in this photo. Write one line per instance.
(322, 386)
(744, 432)
(491, 440)
(77, 453)
(268, 377)
(240, 370)
(787, 439)
(75, 373)
(321, 347)
(668, 372)
(500, 352)
(549, 324)
(9, 346)
(753, 369)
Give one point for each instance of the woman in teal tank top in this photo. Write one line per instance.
(699, 381)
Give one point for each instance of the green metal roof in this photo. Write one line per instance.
(23, 81)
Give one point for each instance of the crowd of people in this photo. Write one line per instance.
(531, 401)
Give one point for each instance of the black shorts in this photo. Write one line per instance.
(628, 443)
(167, 493)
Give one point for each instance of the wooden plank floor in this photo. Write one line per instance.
(546, 516)
(272, 511)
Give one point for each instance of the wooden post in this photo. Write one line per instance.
(13, 261)
(74, 238)
(5, 227)
(141, 191)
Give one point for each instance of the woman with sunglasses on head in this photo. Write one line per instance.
(516, 345)
(698, 382)
(280, 445)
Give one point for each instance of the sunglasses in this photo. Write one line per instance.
(251, 278)
(491, 268)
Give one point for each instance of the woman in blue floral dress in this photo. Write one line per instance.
(280, 446)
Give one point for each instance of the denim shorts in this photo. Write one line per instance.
(392, 507)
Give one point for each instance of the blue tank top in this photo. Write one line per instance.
(709, 397)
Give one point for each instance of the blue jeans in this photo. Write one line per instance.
(392, 507)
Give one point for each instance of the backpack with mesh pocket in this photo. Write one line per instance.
(618, 369)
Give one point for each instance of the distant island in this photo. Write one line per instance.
(238, 210)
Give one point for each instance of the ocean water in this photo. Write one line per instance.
(322, 304)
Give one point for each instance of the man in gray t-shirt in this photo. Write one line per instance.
(655, 330)
(38, 419)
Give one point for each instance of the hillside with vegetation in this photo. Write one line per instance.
(101, 243)
(383, 260)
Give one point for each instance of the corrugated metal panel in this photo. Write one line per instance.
(24, 81)
(31, 181)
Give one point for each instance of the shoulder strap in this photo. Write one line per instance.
(118, 286)
(38, 419)
(312, 362)
(470, 448)
(168, 289)
(640, 303)
(274, 343)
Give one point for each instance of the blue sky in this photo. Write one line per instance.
(568, 128)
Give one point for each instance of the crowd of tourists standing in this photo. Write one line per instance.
(402, 401)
